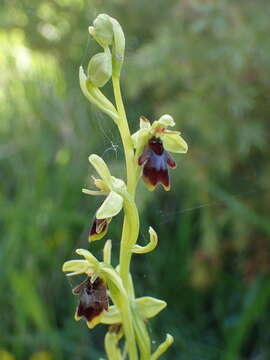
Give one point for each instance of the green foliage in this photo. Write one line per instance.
(205, 62)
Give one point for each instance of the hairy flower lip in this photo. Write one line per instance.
(93, 301)
(155, 161)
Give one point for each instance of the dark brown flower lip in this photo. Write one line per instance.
(98, 229)
(155, 160)
(93, 299)
(156, 145)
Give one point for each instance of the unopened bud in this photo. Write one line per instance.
(100, 69)
(102, 30)
(107, 31)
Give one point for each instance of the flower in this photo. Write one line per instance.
(93, 301)
(156, 161)
(109, 186)
(152, 143)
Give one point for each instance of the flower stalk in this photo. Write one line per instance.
(147, 156)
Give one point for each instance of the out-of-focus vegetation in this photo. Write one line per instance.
(205, 62)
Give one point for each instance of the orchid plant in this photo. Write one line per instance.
(107, 296)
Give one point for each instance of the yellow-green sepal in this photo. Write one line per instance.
(77, 267)
(101, 168)
(112, 316)
(173, 142)
(140, 138)
(111, 206)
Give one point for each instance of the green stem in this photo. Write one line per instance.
(131, 223)
(125, 136)
(131, 220)
(120, 299)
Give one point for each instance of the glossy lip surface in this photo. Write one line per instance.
(93, 299)
(155, 161)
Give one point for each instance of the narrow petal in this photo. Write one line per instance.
(174, 143)
(111, 206)
(94, 192)
(107, 252)
(144, 123)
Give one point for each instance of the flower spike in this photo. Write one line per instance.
(152, 143)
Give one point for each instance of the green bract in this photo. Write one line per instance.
(150, 246)
(147, 307)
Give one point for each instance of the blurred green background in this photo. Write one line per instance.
(205, 62)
